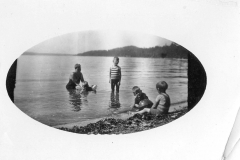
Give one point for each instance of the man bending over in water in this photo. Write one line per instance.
(75, 78)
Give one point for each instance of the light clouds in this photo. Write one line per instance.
(80, 42)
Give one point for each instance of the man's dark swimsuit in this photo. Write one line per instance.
(76, 78)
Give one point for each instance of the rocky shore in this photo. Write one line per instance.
(119, 126)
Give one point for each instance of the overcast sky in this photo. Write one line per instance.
(80, 42)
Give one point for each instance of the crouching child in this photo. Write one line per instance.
(141, 101)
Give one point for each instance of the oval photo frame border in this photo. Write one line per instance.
(197, 80)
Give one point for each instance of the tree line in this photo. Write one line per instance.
(171, 51)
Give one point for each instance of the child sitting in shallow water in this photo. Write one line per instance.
(86, 87)
(139, 97)
(162, 102)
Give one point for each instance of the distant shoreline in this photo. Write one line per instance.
(171, 51)
(95, 56)
(127, 57)
(46, 54)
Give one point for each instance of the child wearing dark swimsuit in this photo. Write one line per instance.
(140, 96)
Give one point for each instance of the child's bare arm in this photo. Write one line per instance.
(120, 72)
(154, 106)
(133, 104)
(82, 79)
(71, 76)
(110, 75)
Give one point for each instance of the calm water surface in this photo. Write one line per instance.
(41, 86)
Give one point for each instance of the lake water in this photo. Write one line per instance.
(41, 86)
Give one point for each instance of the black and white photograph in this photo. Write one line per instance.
(119, 79)
(104, 82)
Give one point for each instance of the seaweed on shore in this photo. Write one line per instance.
(133, 124)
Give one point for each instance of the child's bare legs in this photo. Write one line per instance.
(113, 85)
(117, 87)
(145, 110)
(115, 82)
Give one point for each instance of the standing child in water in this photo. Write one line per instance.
(162, 102)
(115, 75)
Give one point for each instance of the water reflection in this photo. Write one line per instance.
(142, 72)
(77, 99)
(114, 101)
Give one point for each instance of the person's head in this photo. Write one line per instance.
(77, 67)
(161, 86)
(136, 90)
(115, 61)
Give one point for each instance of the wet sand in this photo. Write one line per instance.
(120, 115)
(122, 124)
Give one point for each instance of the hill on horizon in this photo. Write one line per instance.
(172, 51)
